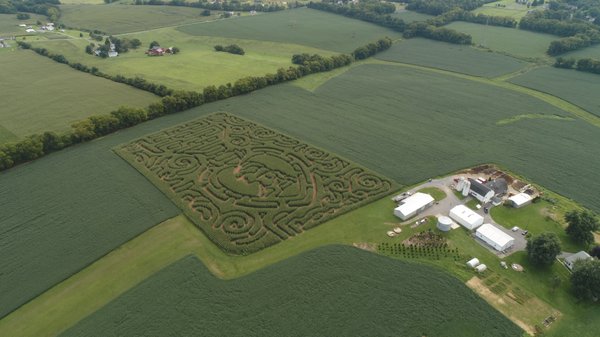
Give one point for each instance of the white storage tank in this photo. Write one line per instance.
(460, 184)
(444, 223)
(466, 188)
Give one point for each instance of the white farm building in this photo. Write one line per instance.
(480, 192)
(520, 200)
(466, 217)
(494, 237)
(581, 256)
(413, 205)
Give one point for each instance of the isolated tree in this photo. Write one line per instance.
(581, 225)
(175, 50)
(205, 12)
(586, 279)
(154, 44)
(543, 249)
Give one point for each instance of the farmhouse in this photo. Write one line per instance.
(581, 256)
(520, 200)
(494, 237)
(413, 205)
(159, 51)
(466, 217)
(480, 192)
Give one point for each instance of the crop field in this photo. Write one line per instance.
(574, 86)
(462, 59)
(515, 42)
(393, 132)
(505, 8)
(37, 103)
(591, 52)
(246, 186)
(302, 26)
(371, 294)
(196, 66)
(412, 16)
(118, 19)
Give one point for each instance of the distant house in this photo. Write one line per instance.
(480, 192)
(571, 260)
(158, 51)
(30, 30)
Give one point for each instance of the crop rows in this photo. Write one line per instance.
(249, 187)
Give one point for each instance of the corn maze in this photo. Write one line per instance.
(248, 187)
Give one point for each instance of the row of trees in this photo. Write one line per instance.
(423, 29)
(92, 127)
(137, 82)
(543, 249)
(234, 6)
(371, 49)
(48, 8)
(231, 49)
(538, 23)
(586, 64)
(578, 41)
(437, 7)
(364, 11)
(458, 14)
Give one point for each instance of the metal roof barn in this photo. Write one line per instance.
(466, 217)
(413, 205)
(494, 237)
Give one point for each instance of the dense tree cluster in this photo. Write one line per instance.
(23, 16)
(581, 225)
(230, 6)
(371, 49)
(426, 30)
(370, 11)
(458, 14)
(538, 23)
(231, 49)
(48, 8)
(92, 127)
(585, 280)
(437, 7)
(543, 249)
(575, 42)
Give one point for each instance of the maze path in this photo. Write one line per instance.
(248, 187)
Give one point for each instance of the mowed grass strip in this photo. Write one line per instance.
(42, 95)
(302, 26)
(451, 57)
(365, 294)
(195, 67)
(116, 19)
(574, 86)
(515, 42)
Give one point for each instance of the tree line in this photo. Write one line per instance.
(48, 8)
(365, 11)
(231, 49)
(588, 65)
(230, 6)
(458, 14)
(38, 145)
(438, 7)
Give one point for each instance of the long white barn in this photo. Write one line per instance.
(466, 217)
(413, 205)
(494, 237)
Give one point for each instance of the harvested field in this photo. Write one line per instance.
(341, 291)
(248, 187)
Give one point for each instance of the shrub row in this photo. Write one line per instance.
(137, 82)
(437, 7)
(423, 29)
(216, 6)
(231, 49)
(578, 41)
(537, 23)
(35, 146)
(586, 64)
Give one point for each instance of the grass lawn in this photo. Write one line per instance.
(537, 218)
(302, 26)
(472, 204)
(435, 192)
(451, 57)
(117, 19)
(518, 43)
(196, 66)
(507, 8)
(45, 95)
(574, 86)
(9, 25)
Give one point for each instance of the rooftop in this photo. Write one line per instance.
(495, 234)
(478, 187)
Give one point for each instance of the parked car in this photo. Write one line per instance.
(514, 229)
(524, 232)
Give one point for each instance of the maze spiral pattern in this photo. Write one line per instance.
(248, 187)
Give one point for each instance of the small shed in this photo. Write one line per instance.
(580, 256)
(474, 262)
(520, 200)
